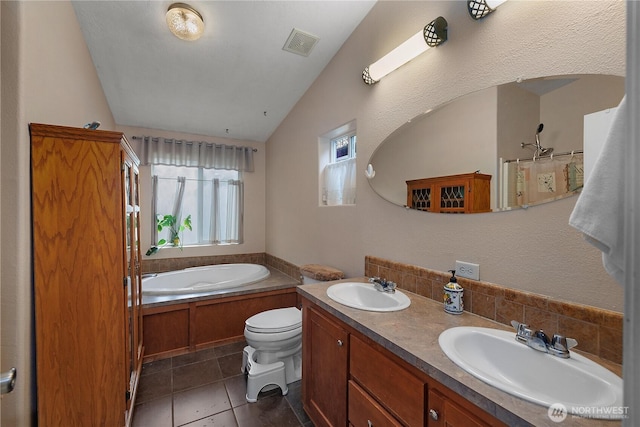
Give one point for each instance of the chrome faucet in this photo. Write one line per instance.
(538, 340)
(383, 285)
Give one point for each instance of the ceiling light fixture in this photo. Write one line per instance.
(184, 21)
(478, 9)
(433, 34)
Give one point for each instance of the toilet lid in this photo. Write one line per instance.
(277, 320)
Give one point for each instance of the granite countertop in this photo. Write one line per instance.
(412, 334)
(276, 281)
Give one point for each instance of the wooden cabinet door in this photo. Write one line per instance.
(448, 409)
(453, 196)
(399, 390)
(324, 379)
(78, 276)
(364, 411)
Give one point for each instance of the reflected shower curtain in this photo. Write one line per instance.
(530, 182)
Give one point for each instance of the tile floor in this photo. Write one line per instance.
(207, 389)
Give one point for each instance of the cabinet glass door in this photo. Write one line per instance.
(452, 197)
(136, 273)
(133, 335)
(128, 290)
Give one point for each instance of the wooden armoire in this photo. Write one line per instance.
(86, 276)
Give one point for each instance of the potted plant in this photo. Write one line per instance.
(175, 230)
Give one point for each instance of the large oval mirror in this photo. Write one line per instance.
(514, 145)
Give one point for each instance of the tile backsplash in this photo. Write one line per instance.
(597, 331)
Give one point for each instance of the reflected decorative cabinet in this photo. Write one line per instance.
(86, 274)
(465, 193)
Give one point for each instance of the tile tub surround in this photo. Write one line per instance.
(152, 265)
(412, 334)
(598, 331)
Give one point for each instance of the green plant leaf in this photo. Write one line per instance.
(187, 222)
(162, 242)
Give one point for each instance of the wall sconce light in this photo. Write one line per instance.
(478, 9)
(185, 22)
(433, 34)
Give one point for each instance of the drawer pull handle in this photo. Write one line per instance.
(369, 423)
(434, 414)
(340, 343)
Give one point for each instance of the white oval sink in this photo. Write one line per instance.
(364, 296)
(495, 357)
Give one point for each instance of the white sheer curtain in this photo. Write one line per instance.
(340, 183)
(227, 196)
(177, 201)
(176, 211)
(174, 152)
(154, 208)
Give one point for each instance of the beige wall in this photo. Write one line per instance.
(254, 199)
(47, 76)
(532, 249)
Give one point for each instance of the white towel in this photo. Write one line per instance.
(599, 211)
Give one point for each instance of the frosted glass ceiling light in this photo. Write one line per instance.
(478, 9)
(185, 22)
(433, 34)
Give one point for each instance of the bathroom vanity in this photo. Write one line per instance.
(363, 368)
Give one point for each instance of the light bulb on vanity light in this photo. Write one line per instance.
(433, 34)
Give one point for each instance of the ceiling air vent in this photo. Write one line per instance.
(300, 42)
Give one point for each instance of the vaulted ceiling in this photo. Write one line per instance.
(236, 81)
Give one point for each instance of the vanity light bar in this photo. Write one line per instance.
(478, 9)
(433, 34)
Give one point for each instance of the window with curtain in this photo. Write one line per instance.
(201, 180)
(339, 176)
(212, 197)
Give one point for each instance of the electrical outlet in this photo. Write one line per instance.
(468, 270)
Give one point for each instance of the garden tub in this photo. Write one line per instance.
(203, 279)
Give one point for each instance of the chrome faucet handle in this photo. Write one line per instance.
(562, 343)
(560, 346)
(523, 333)
(390, 287)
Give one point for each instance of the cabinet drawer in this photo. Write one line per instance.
(366, 412)
(455, 412)
(397, 389)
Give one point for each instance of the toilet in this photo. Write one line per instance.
(273, 356)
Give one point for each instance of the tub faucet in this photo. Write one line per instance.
(383, 285)
(538, 340)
